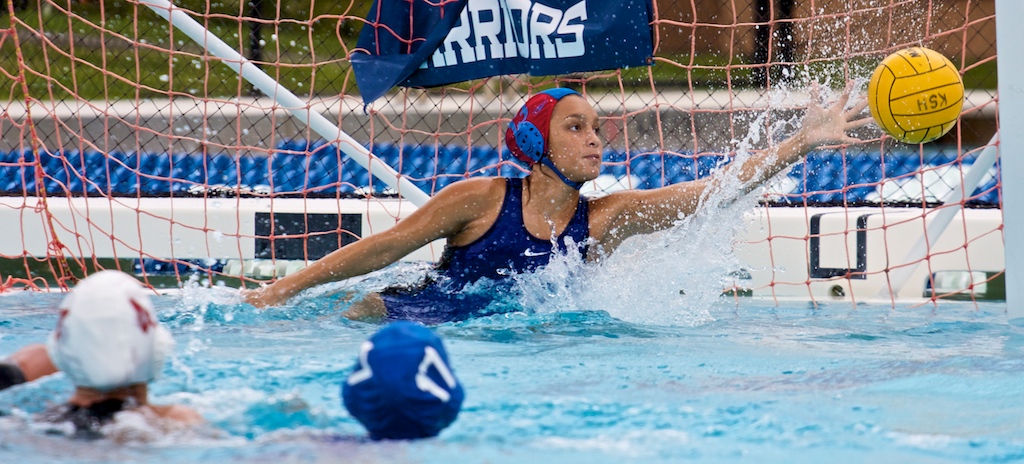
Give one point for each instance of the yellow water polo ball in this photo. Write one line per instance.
(916, 95)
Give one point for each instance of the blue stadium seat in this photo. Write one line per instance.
(298, 166)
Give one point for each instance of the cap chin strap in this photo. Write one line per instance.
(547, 162)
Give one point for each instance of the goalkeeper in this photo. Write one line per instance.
(496, 227)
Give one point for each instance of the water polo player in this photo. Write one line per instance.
(496, 227)
(109, 343)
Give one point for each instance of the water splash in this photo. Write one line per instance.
(677, 276)
(674, 277)
(671, 277)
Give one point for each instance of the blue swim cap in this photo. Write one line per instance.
(402, 386)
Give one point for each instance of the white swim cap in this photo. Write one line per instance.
(108, 335)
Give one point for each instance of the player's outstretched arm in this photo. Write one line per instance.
(820, 125)
(634, 212)
(442, 216)
(25, 365)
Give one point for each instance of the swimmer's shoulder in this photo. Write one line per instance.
(479, 190)
(611, 212)
(178, 413)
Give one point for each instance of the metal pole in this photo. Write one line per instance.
(1009, 36)
(762, 41)
(255, 37)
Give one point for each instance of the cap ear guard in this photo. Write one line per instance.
(163, 344)
(530, 140)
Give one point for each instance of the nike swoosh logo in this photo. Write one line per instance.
(531, 253)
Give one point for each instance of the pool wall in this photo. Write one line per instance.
(829, 254)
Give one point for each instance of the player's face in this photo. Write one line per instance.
(574, 141)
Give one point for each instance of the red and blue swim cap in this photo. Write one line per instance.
(527, 134)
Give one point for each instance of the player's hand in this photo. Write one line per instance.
(259, 297)
(828, 125)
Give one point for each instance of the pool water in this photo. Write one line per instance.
(633, 358)
(745, 380)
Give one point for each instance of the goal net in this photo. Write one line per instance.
(126, 144)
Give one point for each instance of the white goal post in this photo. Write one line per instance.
(1011, 144)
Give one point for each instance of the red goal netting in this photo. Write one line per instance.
(124, 143)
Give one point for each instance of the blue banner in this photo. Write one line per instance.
(426, 43)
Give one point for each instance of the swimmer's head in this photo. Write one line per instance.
(527, 134)
(108, 335)
(402, 387)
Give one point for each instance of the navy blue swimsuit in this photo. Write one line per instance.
(88, 420)
(507, 248)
